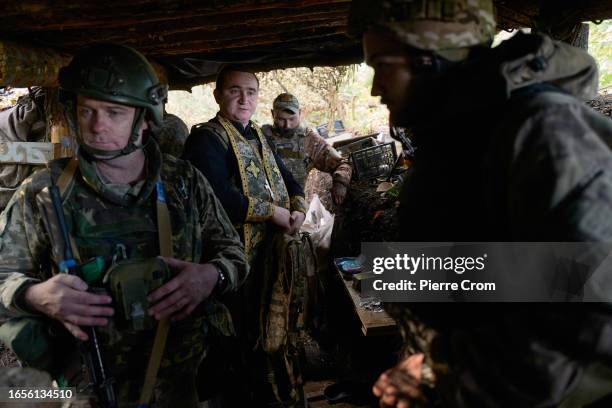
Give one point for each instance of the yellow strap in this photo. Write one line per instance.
(66, 176)
(63, 182)
(164, 230)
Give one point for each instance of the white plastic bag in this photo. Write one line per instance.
(318, 223)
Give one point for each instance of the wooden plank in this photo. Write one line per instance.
(116, 14)
(58, 130)
(26, 152)
(372, 323)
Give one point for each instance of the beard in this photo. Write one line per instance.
(288, 132)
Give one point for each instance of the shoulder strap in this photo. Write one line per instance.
(164, 230)
(215, 128)
(64, 181)
(67, 176)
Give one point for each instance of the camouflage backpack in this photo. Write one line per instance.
(284, 303)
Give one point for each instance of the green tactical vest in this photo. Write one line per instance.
(291, 150)
(111, 227)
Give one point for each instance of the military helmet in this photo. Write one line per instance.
(440, 26)
(115, 73)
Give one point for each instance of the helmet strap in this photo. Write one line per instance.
(105, 155)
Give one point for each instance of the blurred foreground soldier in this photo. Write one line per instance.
(507, 151)
(302, 148)
(123, 203)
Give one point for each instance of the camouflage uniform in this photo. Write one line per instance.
(535, 167)
(107, 220)
(511, 154)
(171, 135)
(305, 150)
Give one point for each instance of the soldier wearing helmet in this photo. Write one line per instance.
(507, 151)
(116, 194)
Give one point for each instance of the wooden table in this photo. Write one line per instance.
(372, 323)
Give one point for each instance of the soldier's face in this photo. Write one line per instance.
(238, 98)
(394, 80)
(285, 120)
(105, 125)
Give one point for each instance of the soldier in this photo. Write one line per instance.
(302, 148)
(251, 181)
(171, 135)
(111, 190)
(259, 194)
(510, 153)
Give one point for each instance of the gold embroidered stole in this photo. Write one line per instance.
(260, 186)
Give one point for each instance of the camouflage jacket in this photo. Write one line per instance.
(529, 151)
(201, 229)
(306, 149)
(514, 154)
(171, 135)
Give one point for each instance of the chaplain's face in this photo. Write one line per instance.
(105, 125)
(238, 97)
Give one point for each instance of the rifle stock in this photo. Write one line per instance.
(90, 350)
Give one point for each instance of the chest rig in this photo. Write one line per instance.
(293, 152)
(117, 247)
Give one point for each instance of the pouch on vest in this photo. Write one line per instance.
(38, 342)
(130, 282)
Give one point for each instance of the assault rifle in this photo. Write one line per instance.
(90, 350)
(399, 133)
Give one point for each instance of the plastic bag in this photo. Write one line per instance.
(319, 223)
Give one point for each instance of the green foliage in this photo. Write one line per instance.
(343, 92)
(600, 46)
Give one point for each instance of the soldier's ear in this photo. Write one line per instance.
(216, 95)
(272, 113)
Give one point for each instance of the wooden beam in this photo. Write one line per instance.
(329, 59)
(58, 130)
(251, 39)
(63, 15)
(23, 65)
(26, 152)
(225, 27)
